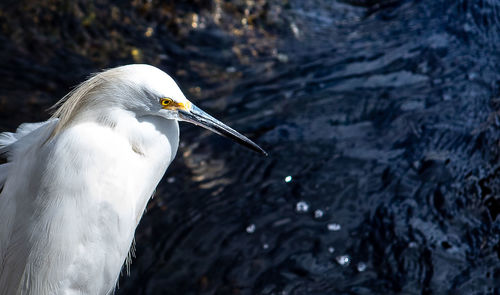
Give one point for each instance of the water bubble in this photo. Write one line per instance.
(251, 228)
(318, 213)
(265, 246)
(333, 227)
(344, 260)
(171, 179)
(331, 249)
(288, 179)
(412, 245)
(302, 207)
(361, 266)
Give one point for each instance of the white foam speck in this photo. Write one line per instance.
(251, 228)
(334, 227)
(302, 207)
(361, 266)
(344, 260)
(318, 213)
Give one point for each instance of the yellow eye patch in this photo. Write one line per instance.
(165, 102)
(170, 104)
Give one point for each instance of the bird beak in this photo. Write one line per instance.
(198, 117)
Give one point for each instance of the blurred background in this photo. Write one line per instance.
(380, 116)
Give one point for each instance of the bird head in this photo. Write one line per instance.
(145, 90)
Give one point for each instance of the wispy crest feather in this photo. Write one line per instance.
(73, 101)
(104, 88)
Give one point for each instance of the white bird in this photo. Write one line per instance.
(76, 186)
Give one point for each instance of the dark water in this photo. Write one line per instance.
(381, 120)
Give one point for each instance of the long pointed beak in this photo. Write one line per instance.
(198, 117)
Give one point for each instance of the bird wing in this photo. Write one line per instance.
(13, 145)
(9, 141)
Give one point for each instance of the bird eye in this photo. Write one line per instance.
(166, 101)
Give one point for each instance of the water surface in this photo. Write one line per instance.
(381, 121)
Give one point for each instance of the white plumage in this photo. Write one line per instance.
(76, 186)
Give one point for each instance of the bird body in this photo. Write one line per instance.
(76, 186)
(86, 234)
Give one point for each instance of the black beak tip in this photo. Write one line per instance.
(253, 146)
